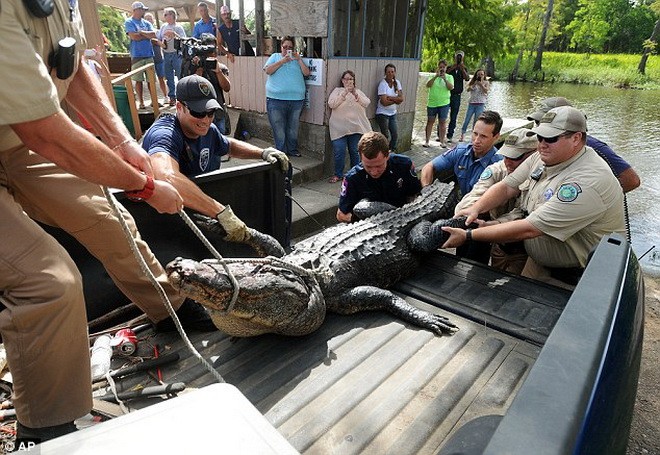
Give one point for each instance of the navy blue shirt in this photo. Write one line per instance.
(230, 36)
(461, 160)
(614, 161)
(195, 156)
(395, 186)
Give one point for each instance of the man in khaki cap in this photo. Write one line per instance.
(626, 175)
(572, 201)
(518, 146)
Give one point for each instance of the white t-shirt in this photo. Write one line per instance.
(385, 89)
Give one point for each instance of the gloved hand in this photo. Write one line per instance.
(236, 229)
(273, 155)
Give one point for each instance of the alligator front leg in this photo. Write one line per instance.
(370, 298)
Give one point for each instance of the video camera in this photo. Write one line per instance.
(192, 47)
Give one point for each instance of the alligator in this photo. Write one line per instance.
(344, 269)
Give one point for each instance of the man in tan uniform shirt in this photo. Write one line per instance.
(573, 200)
(518, 146)
(43, 323)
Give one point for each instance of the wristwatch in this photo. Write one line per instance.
(143, 194)
(468, 235)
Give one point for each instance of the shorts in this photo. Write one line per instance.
(135, 64)
(441, 111)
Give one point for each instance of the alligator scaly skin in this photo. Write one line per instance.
(348, 266)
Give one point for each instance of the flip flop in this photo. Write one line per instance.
(334, 179)
(425, 146)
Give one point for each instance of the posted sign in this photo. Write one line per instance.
(315, 66)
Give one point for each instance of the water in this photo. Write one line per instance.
(628, 120)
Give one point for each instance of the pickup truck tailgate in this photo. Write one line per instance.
(369, 383)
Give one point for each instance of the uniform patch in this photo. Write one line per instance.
(412, 171)
(204, 88)
(547, 194)
(568, 192)
(204, 158)
(486, 174)
(399, 183)
(344, 187)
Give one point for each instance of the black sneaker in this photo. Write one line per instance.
(39, 435)
(193, 317)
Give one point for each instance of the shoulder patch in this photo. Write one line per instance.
(568, 192)
(344, 187)
(486, 174)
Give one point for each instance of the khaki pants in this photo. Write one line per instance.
(512, 263)
(44, 326)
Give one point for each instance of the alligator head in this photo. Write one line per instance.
(271, 298)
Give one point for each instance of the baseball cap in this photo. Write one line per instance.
(197, 92)
(461, 53)
(519, 142)
(224, 9)
(560, 120)
(546, 105)
(138, 5)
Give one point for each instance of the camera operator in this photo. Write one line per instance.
(200, 58)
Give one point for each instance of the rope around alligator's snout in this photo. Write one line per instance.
(161, 292)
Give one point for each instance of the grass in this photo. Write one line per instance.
(614, 70)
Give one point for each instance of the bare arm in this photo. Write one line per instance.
(629, 180)
(495, 196)
(240, 149)
(167, 168)
(270, 69)
(506, 232)
(304, 68)
(428, 174)
(223, 80)
(86, 96)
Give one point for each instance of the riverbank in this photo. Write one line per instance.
(609, 70)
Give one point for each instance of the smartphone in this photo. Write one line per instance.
(289, 53)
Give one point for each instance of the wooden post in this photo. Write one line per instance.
(151, 79)
(90, 17)
(259, 25)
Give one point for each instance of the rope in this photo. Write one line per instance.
(161, 292)
(216, 254)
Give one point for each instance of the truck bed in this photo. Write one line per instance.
(368, 383)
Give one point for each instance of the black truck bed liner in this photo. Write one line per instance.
(369, 383)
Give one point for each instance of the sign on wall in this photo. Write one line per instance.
(315, 66)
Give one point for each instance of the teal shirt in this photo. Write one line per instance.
(287, 83)
(439, 94)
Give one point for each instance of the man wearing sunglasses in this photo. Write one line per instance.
(518, 146)
(626, 175)
(572, 201)
(188, 144)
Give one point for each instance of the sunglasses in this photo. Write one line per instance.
(552, 140)
(196, 114)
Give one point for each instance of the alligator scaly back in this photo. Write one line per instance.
(343, 268)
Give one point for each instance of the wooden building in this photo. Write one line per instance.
(360, 35)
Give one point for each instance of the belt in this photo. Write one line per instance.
(569, 275)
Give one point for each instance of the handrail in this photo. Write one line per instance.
(151, 81)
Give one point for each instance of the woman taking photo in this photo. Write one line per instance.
(285, 94)
(390, 95)
(478, 88)
(348, 121)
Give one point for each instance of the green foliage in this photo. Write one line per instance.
(112, 25)
(478, 27)
(614, 70)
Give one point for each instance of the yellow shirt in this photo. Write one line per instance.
(27, 90)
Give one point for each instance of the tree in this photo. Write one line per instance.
(649, 46)
(112, 26)
(477, 27)
(544, 33)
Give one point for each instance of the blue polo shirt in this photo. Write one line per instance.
(461, 160)
(195, 156)
(204, 27)
(398, 183)
(614, 161)
(143, 48)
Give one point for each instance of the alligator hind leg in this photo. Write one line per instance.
(370, 298)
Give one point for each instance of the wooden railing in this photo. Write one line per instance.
(125, 79)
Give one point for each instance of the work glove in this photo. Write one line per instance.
(236, 229)
(275, 156)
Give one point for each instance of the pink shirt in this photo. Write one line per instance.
(348, 115)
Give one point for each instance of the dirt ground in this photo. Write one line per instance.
(645, 430)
